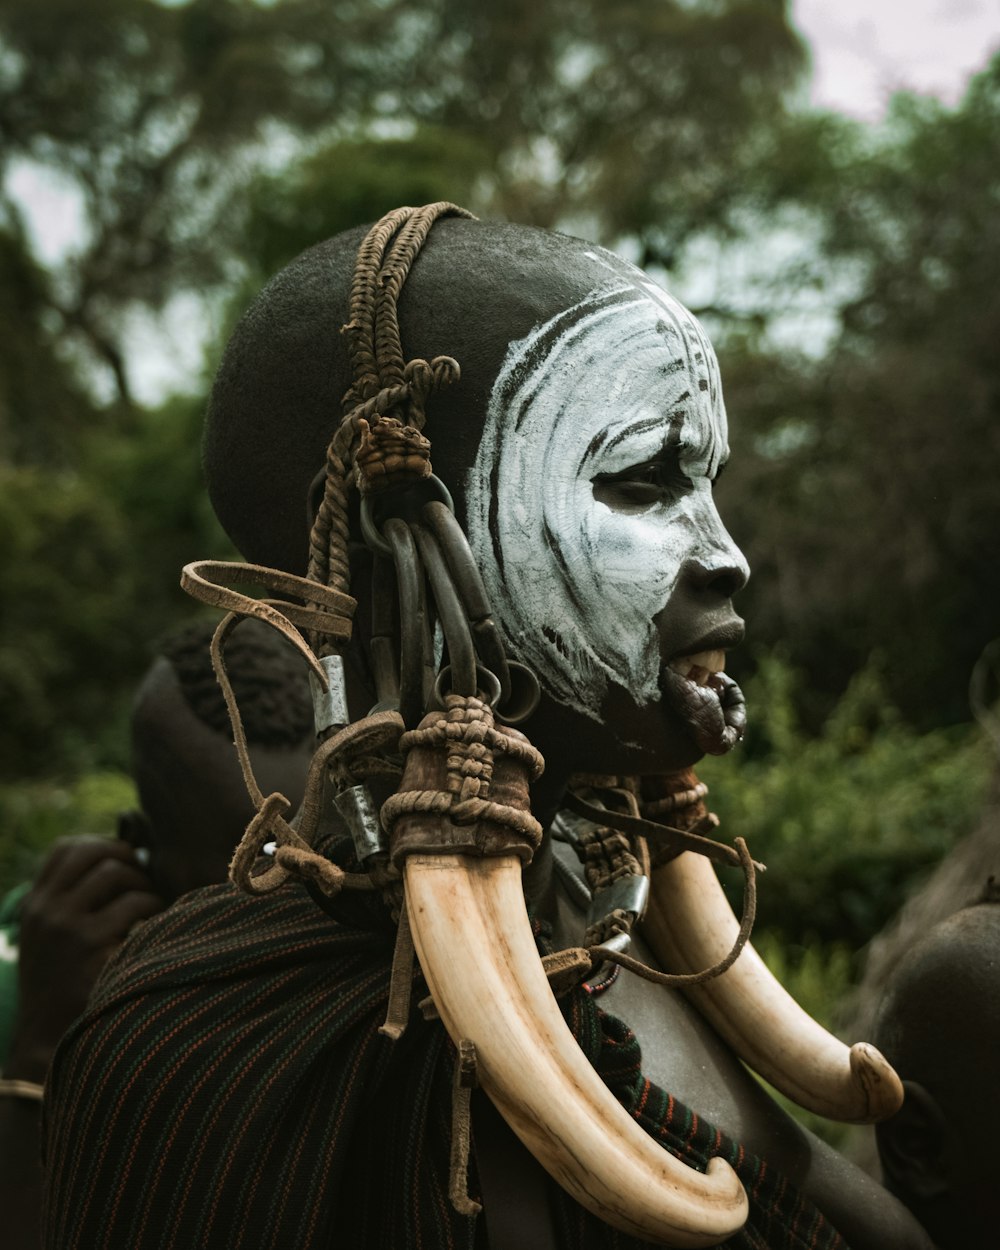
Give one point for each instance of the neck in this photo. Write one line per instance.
(539, 881)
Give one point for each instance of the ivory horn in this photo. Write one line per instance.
(475, 945)
(689, 926)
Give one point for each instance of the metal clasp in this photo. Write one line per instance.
(360, 815)
(330, 705)
(628, 894)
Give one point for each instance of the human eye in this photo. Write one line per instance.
(643, 485)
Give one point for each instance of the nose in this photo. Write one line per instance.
(721, 581)
(716, 568)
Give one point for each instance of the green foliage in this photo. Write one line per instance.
(351, 181)
(42, 404)
(863, 483)
(34, 814)
(90, 558)
(161, 116)
(818, 978)
(849, 820)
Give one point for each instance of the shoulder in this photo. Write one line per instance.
(219, 1032)
(218, 933)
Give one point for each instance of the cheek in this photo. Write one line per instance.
(636, 557)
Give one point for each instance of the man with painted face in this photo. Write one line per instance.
(261, 1065)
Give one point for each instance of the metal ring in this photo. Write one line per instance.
(413, 632)
(457, 635)
(490, 686)
(407, 501)
(469, 584)
(525, 695)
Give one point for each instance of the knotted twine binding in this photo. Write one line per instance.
(609, 856)
(389, 454)
(623, 843)
(472, 798)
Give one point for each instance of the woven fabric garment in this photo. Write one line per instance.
(229, 1088)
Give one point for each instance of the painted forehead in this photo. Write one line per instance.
(630, 368)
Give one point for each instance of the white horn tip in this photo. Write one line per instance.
(720, 1169)
(729, 1191)
(875, 1077)
(725, 1210)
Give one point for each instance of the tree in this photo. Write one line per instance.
(90, 557)
(42, 404)
(631, 119)
(868, 501)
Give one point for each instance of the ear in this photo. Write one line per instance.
(135, 829)
(913, 1145)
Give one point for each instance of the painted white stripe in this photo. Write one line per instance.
(576, 585)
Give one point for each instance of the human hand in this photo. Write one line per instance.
(88, 895)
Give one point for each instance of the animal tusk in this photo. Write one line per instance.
(475, 945)
(691, 926)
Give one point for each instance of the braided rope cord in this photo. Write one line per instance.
(384, 382)
(466, 730)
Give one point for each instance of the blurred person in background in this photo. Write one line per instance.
(939, 1025)
(59, 930)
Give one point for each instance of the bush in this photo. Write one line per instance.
(818, 978)
(90, 558)
(34, 814)
(850, 820)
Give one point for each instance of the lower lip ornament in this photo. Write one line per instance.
(715, 712)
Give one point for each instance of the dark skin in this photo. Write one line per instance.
(88, 896)
(939, 1024)
(474, 289)
(681, 1051)
(92, 891)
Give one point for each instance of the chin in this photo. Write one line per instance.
(654, 740)
(694, 716)
(626, 739)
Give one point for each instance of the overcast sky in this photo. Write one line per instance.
(863, 50)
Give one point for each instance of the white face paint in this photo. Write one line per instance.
(622, 388)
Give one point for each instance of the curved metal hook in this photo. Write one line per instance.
(458, 636)
(487, 685)
(384, 632)
(405, 502)
(414, 626)
(469, 584)
(524, 697)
